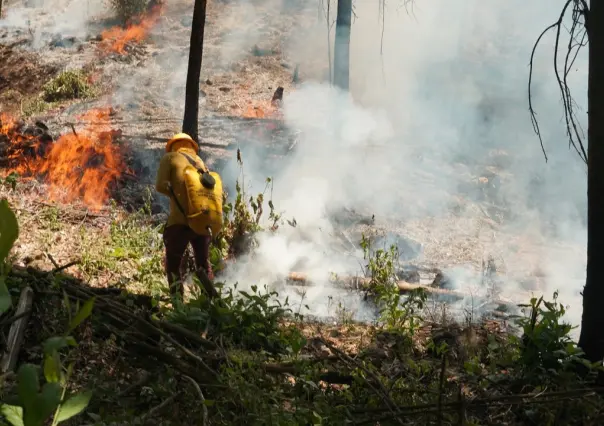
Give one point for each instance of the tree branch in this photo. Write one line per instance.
(576, 42)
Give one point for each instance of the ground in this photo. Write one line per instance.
(112, 243)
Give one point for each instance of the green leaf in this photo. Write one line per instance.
(28, 386)
(55, 344)
(73, 406)
(5, 298)
(67, 304)
(52, 368)
(9, 229)
(13, 414)
(82, 314)
(48, 400)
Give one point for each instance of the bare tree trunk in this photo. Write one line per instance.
(592, 322)
(191, 118)
(341, 54)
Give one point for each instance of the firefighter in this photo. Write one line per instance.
(177, 234)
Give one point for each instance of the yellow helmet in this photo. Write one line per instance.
(181, 137)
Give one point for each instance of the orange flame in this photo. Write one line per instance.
(115, 39)
(76, 166)
(266, 109)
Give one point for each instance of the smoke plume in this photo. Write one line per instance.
(438, 99)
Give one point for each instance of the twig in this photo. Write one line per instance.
(204, 408)
(574, 132)
(67, 265)
(140, 382)
(441, 389)
(12, 319)
(542, 398)
(74, 130)
(52, 259)
(158, 407)
(187, 334)
(462, 407)
(17, 331)
(382, 391)
(59, 268)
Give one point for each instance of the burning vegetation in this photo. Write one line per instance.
(117, 39)
(77, 166)
(266, 109)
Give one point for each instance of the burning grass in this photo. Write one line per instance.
(77, 166)
(116, 39)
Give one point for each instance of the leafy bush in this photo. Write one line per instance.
(252, 320)
(397, 312)
(68, 85)
(546, 349)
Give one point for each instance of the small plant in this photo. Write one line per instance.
(35, 105)
(11, 180)
(72, 84)
(546, 348)
(34, 405)
(396, 311)
(242, 219)
(252, 320)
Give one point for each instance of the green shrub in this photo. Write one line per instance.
(71, 84)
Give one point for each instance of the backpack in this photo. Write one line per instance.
(204, 199)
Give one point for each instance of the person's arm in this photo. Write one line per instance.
(162, 183)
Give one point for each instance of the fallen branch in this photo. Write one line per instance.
(127, 319)
(204, 408)
(158, 407)
(362, 283)
(332, 377)
(423, 409)
(377, 385)
(8, 321)
(17, 330)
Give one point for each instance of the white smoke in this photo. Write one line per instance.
(47, 19)
(450, 87)
(434, 92)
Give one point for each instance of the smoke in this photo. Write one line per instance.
(426, 119)
(45, 20)
(438, 104)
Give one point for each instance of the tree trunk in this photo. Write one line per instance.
(191, 118)
(341, 55)
(592, 322)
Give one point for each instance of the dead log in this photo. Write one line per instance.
(17, 331)
(300, 279)
(362, 283)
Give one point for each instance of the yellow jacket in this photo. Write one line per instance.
(170, 171)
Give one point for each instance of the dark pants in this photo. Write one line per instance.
(176, 240)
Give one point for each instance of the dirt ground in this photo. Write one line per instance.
(21, 75)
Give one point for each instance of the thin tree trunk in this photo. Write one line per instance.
(592, 322)
(191, 118)
(341, 55)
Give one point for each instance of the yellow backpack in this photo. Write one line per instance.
(204, 199)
